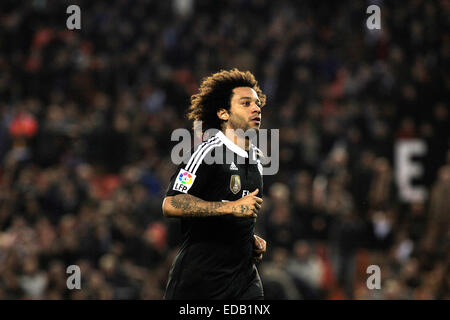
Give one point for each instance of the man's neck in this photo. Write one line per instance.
(242, 142)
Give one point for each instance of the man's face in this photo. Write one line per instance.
(245, 111)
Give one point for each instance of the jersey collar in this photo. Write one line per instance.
(231, 145)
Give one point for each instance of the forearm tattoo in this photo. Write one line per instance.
(194, 207)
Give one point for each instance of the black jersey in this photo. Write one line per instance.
(215, 260)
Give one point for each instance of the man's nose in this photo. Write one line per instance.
(256, 109)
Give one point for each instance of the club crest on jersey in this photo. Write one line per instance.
(235, 183)
(184, 181)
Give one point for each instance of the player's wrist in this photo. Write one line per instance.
(228, 209)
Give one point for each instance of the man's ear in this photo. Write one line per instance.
(223, 114)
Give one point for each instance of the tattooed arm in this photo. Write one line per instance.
(186, 205)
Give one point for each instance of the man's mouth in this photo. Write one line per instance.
(256, 119)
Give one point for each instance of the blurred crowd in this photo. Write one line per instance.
(86, 118)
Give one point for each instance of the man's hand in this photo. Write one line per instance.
(259, 248)
(248, 206)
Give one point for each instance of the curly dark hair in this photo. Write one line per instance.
(215, 93)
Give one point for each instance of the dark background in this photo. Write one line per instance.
(86, 118)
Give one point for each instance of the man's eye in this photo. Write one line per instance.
(247, 103)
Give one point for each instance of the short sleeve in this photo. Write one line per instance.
(191, 176)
